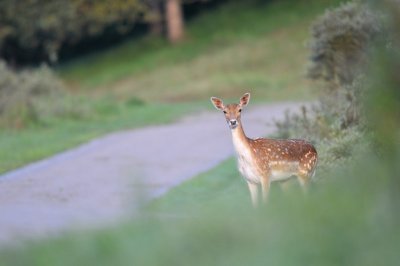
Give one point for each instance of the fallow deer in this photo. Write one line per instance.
(264, 160)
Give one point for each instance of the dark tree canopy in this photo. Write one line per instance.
(37, 29)
(43, 26)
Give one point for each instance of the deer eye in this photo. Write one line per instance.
(224, 112)
(240, 110)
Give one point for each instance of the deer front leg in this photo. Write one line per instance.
(265, 188)
(253, 188)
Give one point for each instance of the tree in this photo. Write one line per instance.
(41, 27)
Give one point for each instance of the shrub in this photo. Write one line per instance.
(33, 97)
(334, 124)
(340, 42)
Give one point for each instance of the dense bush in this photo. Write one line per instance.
(33, 96)
(340, 42)
(341, 45)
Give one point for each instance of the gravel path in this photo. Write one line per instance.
(111, 177)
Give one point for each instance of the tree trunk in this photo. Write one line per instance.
(174, 19)
(156, 18)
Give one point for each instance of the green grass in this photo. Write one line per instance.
(218, 186)
(221, 184)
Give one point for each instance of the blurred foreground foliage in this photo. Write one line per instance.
(383, 101)
(343, 223)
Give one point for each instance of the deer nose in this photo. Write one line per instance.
(233, 122)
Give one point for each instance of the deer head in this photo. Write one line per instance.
(232, 111)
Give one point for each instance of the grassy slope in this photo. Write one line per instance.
(241, 46)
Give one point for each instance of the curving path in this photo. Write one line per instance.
(111, 177)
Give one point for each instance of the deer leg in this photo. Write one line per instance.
(265, 188)
(253, 193)
(303, 180)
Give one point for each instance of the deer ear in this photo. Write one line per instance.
(217, 103)
(245, 99)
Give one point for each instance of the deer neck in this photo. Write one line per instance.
(240, 141)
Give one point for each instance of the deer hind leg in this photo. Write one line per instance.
(253, 188)
(303, 179)
(306, 170)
